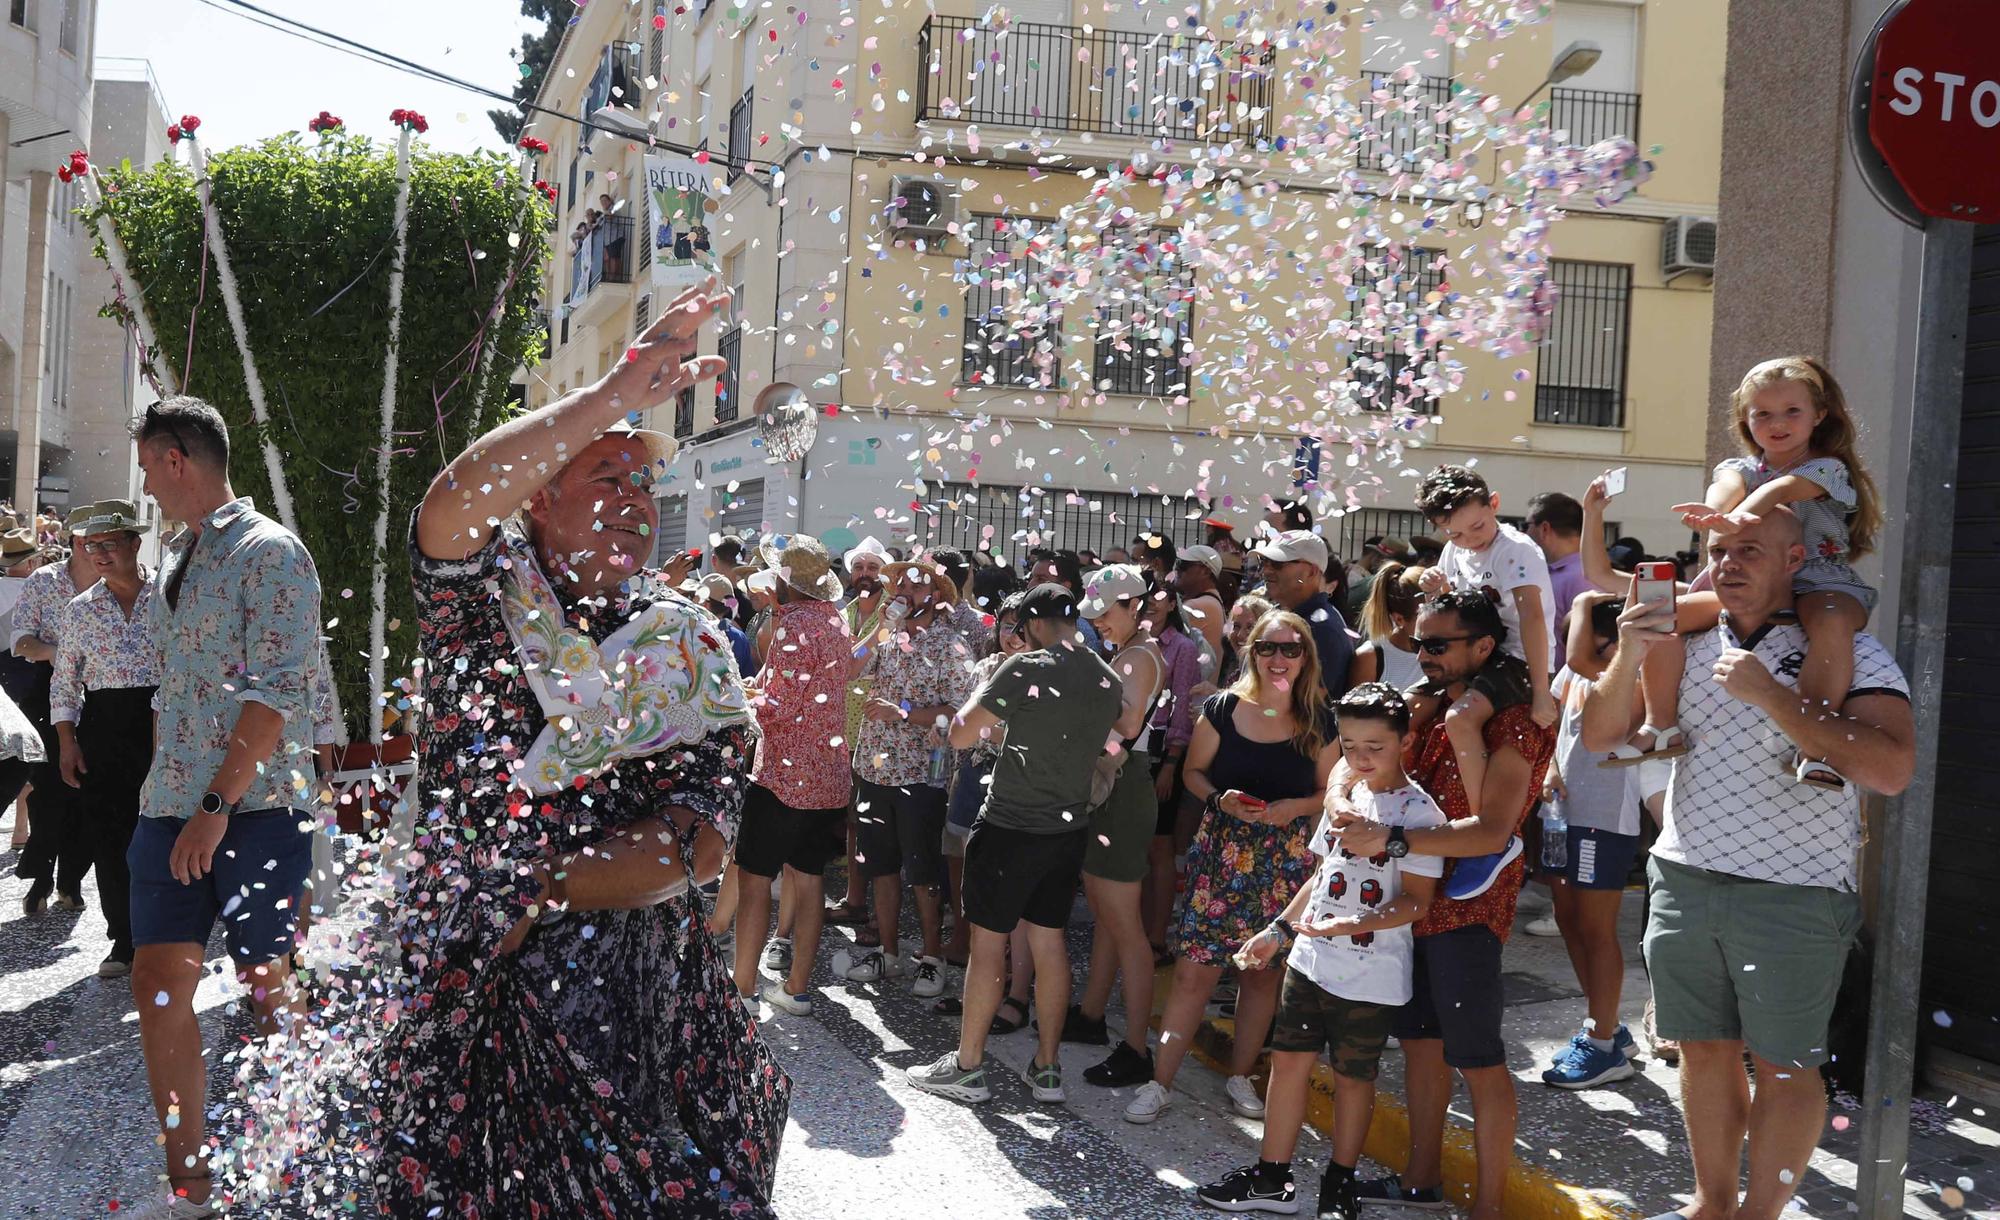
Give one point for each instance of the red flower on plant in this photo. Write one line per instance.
(189, 123)
(533, 145)
(410, 119)
(325, 121)
(62, 171)
(79, 163)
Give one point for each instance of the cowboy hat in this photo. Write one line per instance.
(801, 561)
(942, 588)
(109, 517)
(871, 545)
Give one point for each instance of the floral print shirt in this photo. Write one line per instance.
(45, 597)
(931, 668)
(244, 629)
(588, 1072)
(102, 648)
(1433, 765)
(802, 710)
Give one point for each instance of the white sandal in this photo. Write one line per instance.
(1817, 774)
(1668, 742)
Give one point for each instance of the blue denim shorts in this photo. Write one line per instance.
(255, 884)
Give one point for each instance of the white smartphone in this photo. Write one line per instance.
(1614, 482)
(1656, 584)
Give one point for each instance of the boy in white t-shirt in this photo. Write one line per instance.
(1348, 930)
(1502, 564)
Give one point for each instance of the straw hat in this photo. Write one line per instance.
(109, 517)
(802, 562)
(660, 448)
(942, 589)
(16, 544)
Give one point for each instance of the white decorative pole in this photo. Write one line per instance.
(152, 357)
(233, 305)
(378, 631)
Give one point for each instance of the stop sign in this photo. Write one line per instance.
(1934, 108)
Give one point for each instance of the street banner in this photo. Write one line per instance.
(680, 201)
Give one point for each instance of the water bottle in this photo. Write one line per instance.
(940, 764)
(1555, 833)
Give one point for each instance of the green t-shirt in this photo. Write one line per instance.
(1058, 704)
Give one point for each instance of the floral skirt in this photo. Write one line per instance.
(1241, 876)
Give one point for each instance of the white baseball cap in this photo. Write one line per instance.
(1107, 587)
(1293, 545)
(1207, 556)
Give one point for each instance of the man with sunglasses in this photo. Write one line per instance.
(221, 814)
(1453, 1019)
(1295, 578)
(1195, 578)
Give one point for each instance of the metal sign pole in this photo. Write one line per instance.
(1928, 505)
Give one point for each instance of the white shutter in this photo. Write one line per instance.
(673, 527)
(1390, 39)
(1615, 27)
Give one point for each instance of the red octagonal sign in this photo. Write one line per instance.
(1934, 112)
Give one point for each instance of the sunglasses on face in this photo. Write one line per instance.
(1292, 649)
(1438, 645)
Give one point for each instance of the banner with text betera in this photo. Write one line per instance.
(680, 202)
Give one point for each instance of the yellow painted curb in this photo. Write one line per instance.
(1531, 1193)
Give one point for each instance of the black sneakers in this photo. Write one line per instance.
(1391, 1192)
(1338, 1198)
(1084, 1031)
(1253, 1188)
(1124, 1068)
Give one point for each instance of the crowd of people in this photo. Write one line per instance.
(1306, 784)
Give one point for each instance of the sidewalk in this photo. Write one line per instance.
(1620, 1151)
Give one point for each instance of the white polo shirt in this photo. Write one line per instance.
(1733, 806)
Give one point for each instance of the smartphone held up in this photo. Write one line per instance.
(1654, 583)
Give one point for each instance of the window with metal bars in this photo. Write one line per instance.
(1023, 518)
(1145, 332)
(642, 313)
(1384, 373)
(684, 413)
(1005, 346)
(1581, 373)
(730, 347)
(739, 136)
(656, 53)
(1406, 121)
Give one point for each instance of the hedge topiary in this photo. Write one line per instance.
(309, 226)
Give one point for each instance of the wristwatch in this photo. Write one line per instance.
(212, 802)
(1398, 846)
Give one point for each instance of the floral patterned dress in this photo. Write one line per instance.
(606, 1069)
(1241, 875)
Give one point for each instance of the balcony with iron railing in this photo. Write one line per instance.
(1591, 116)
(1074, 79)
(605, 257)
(1402, 116)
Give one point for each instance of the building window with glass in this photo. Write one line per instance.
(1385, 370)
(1013, 328)
(1581, 374)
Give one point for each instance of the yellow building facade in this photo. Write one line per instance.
(937, 427)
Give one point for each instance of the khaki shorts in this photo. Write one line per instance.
(1736, 959)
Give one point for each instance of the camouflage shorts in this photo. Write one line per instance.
(1311, 1019)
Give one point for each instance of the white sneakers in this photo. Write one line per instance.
(1147, 1103)
(774, 994)
(930, 979)
(1542, 925)
(1243, 1097)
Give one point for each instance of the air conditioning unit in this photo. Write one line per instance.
(1688, 244)
(920, 207)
